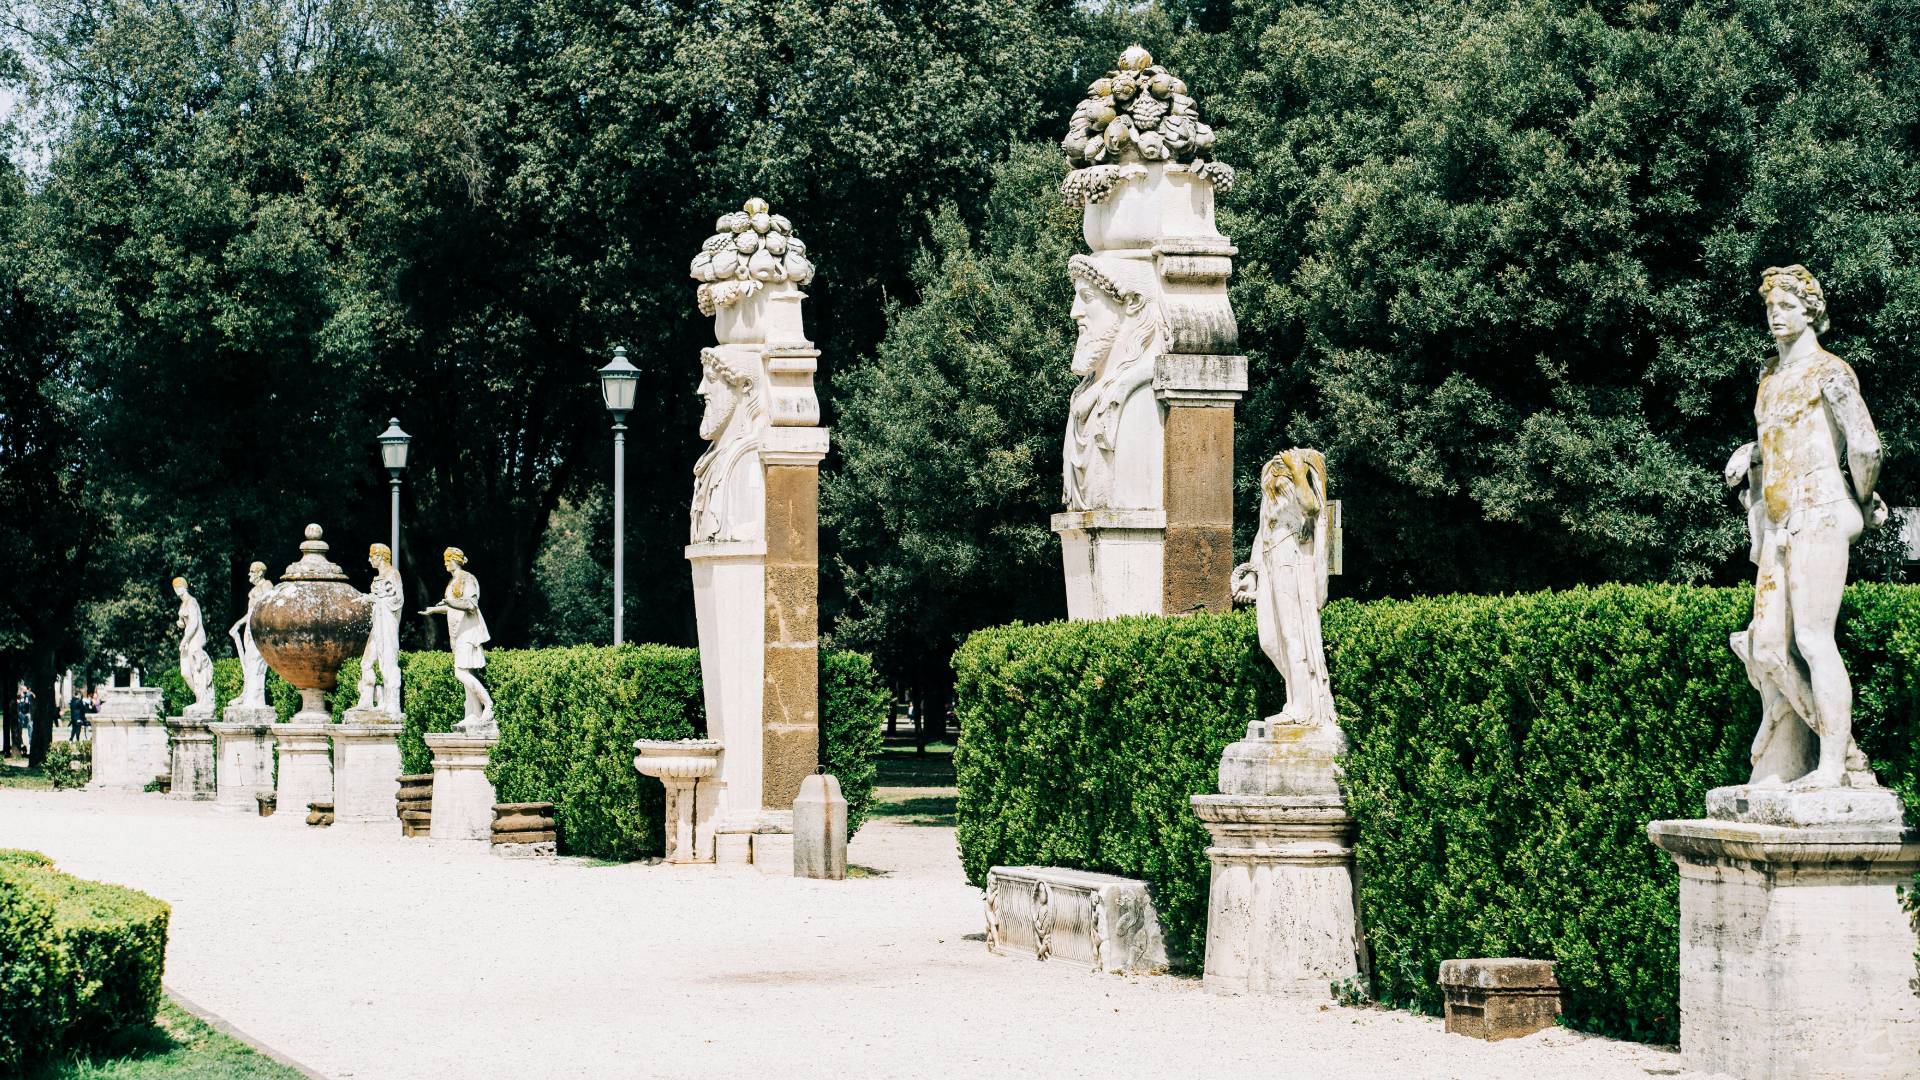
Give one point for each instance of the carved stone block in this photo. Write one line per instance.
(1099, 921)
(1502, 998)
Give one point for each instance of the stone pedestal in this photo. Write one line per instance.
(192, 758)
(1499, 998)
(1280, 914)
(820, 829)
(366, 769)
(243, 752)
(306, 769)
(129, 740)
(1795, 957)
(462, 794)
(1099, 921)
(686, 768)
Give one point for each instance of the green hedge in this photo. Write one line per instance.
(569, 717)
(1507, 755)
(79, 960)
(227, 681)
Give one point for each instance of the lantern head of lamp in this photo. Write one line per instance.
(619, 381)
(393, 447)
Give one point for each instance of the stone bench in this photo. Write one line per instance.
(1503, 998)
(1099, 921)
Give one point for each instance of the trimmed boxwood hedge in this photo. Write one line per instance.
(79, 960)
(1507, 755)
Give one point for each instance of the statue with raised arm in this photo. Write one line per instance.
(1286, 581)
(380, 663)
(196, 667)
(1809, 490)
(466, 633)
(253, 666)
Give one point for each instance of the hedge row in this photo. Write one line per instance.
(79, 960)
(227, 681)
(1507, 755)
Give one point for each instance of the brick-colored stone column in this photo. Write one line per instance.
(1199, 392)
(790, 707)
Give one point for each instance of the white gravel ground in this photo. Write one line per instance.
(363, 955)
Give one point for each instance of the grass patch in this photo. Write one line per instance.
(919, 810)
(176, 1046)
(20, 776)
(906, 767)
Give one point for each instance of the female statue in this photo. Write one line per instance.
(1287, 581)
(466, 632)
(380, 663)
(195, 666)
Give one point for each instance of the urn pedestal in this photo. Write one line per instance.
(1796, 959)
(243, 752)
(462, 795)
(192, 757)
(366, 768)
(686, 768)
(129, 740)
(306, 769)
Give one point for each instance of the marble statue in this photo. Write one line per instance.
(466, 633)
(253, 666)
(727, 487)
(380, 663)
(1112, 455)
(750, 249)
(1808, 485)
(1137, 114)
(196, 667)
(1286, 581)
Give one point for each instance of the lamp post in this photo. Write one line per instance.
(618, 382)
(393, 452)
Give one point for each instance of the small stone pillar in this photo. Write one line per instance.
(306, 769)
(462, 794)
(366, 768)
(243, 751)
(129, 740)
(820, 829)
(192, 758)
(1148, 456)
(754, 533)
(1503, 998)
(1796, 959)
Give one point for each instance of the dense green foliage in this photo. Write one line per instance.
(568, 719)
(227, 682)
(79, 960)
(1507, 755)
(69, 764)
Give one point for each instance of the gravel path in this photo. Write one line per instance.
(363, 955)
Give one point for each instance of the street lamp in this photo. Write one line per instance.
(393, 451)
(618, 382)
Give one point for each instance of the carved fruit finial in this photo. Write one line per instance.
(755, 206)
(313, 532)
(1135, 59)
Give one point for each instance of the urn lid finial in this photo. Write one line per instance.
(314, 564)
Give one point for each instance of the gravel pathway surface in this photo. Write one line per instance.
(363, 955)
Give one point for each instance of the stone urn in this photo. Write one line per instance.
(309, 623)
(681, 765)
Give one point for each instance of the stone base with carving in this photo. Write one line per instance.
(306, 769)
(462, 795)
(1114, 560)
(1499, 998)
(366, 768)
(243, 750)
(192, 758)
(1099, 921)
(1795, 956)
(129, 741)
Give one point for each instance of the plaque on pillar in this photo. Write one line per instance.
(1147, 474)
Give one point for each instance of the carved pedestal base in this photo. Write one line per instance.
(129, 741)
(462, 795)
(1795, 957)
(306, 770)
(366, 771)
(1114, 560)
(192, 758)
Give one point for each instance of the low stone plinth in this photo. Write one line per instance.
(522, 830)
(820, 829)
(1795, 956)
(306, 767)
(320, 814)
(1280, 914)
(1099, 921)
(129, 741)
(1501, 998)
(366, 770)
(191, 769)
(462, 794)
(243, 750)
(414, 804)
(265, 802)
(763, 840)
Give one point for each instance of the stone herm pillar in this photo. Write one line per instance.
(192, 758)
(754, 531)
(129, 741)
(1148, 455)
(243, 751)
(366, 768)
(462, 795)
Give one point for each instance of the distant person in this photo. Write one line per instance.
(23, 721)
(76, 716)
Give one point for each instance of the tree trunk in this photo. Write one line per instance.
(46, 705)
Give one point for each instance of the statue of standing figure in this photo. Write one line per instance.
(380, 663)
(466, 633)
(1808, 486)
(1286, 580)
(196, 667)
(253, 666)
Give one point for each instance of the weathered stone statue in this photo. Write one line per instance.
(466, 633)
(728, 491)
(1286, 581)
(1148, 449)
(1808, 485)
(196, 667)
(380, 664)
(253, 666)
